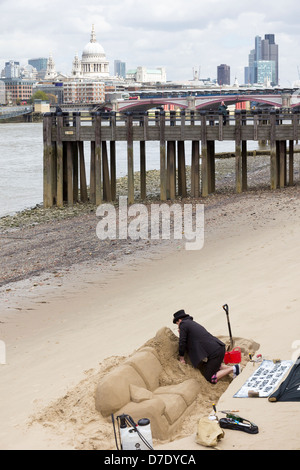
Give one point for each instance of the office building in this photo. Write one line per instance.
(263, 62)
(265, 70)
(39, 64)
(11, 69)
(84, 92)
(17, 89)
(120, 69)
(223, 74)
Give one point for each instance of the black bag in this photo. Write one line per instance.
(289, 389)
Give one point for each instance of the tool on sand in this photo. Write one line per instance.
(225, 307)
(237, 423)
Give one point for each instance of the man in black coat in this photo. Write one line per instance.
(205, 351)
(223, 110)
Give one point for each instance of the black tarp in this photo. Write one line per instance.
(289, 389)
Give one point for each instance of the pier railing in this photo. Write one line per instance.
(64, 161)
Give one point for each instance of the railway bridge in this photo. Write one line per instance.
(206, 101)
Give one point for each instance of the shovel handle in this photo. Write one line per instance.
(225, 307)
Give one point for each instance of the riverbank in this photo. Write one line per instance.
(63, 330)
(70, 231)
(73, 308)
(39, 240)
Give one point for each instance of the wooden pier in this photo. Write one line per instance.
(64, 135)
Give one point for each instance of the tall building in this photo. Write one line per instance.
(11, 69)
(84, 91)
(18, 89)
(271, 53)
(39, 64)
(120, 68)
(263, 62)
(223, 74)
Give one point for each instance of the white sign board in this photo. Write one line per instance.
(265, 379)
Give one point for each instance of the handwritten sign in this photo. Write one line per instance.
(265, 379)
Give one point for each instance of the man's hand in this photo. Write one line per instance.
(181, 359)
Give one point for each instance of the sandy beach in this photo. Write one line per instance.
(66, 326)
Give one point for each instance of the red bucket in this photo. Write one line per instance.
(233, 357)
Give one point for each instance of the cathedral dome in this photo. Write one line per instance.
(93, 48)
(93, 62)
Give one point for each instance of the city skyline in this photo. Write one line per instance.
(176, 35)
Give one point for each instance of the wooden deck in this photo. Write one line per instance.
(64, 160)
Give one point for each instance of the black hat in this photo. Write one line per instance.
(179, 315)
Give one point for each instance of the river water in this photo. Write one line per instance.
(21, 159)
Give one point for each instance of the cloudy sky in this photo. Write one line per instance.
(177, 34)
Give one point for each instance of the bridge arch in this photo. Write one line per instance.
(272, 100)
(147, 104)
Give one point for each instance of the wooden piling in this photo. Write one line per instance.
(75, 172)
(93, 174)
(273, 153)
(282, 163)
(163, 170)
(204, 158)
(238, 153)
(195, 169)
(130, 167)
(211, 166)
(70, 194)
(181, 168)
(60, 163)
(244, 166)
(48, 165)
(98, 160)
(143, 169)
(171, 170)
(106, 179)
(83, 185)
(291, 163)
(113, 170)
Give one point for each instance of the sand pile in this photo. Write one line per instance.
(75, 415)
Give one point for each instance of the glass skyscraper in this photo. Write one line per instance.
(263, 62)
(120, 68)
(39, 64)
